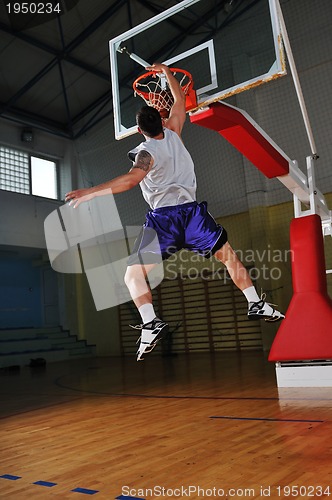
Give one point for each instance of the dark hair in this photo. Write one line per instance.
(149, 121)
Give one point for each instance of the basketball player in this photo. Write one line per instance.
(163, 168)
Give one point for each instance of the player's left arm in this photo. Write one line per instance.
(141, 167)
(177, 116)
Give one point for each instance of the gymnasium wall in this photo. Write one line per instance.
(256, 211)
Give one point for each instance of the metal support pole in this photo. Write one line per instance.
(132, 56)
(296, 79)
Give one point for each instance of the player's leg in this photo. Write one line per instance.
(145, 256)
(235, 268)
(258, 308)
(153, 328)
(135, 279)
(205, 236)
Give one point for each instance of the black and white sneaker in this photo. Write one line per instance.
(263, 310)
(151, 334)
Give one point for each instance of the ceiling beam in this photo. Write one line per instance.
(29, 119)
(64, 93)
(95, 118)
(12, 113)
(46, 69)
(64, 54)
(106, 96)
(157, 10)
(95, 25)
(54, 52)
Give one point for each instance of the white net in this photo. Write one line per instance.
(154, 89)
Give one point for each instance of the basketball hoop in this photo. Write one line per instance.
(153, 88)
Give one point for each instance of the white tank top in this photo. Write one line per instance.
(171, 180)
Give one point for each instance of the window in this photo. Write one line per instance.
(22, 172)
(14, 171)
(43, 178)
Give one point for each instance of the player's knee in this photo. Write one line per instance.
(226, 254)
(128, 277)
(132, 275)
(223, 253)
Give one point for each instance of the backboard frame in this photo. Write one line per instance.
(277, 70)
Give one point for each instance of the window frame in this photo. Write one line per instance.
(30, 155)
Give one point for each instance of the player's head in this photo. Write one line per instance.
(149, 121)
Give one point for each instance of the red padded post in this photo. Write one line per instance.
(306, 332)
(240, 130)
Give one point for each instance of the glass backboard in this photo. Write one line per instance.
(228, 46)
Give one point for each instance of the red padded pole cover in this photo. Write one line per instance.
(306, 332)
(308, 259)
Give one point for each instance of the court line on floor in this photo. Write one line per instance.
(267, 419)
(48, 484)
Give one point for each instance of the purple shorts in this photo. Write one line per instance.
(188, 226)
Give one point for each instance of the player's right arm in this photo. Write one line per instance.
(177, 116)
(141, 167)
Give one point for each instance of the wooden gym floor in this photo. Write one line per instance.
(198, 426)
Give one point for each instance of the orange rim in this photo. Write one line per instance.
(186, 88)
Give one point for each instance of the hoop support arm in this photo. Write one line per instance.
(134, 57)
